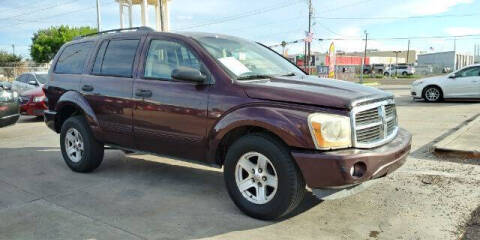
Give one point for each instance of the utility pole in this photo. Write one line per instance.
(364, 57)
(396, 62)
(13, 49)
(455, 44)
(99, 20)
(310, 13)
(408, 50)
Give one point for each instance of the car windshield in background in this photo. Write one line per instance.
(42, 78)
(247, 60)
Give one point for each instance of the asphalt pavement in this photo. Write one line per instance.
(146, 197)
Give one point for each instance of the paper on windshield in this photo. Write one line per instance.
(234, 65)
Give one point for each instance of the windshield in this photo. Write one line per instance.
(42, 78)
(247, 60)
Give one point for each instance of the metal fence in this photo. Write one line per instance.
(9, 71)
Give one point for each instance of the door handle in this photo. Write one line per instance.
(143, 93)
(87, 88)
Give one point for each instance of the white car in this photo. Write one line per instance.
(464, 83)
(403, 70)
(29, 80)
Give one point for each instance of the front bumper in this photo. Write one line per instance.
(331, 169)
(33, 108)
(49, 118)
(416, 91)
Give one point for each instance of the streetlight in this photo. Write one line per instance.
(396, 62)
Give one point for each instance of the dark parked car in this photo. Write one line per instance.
(8, 106)
(222, 101)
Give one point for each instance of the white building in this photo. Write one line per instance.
(452, 59)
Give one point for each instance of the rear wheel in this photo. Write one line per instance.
(432, 94)
(80, 150)
(262, 178)
(404, 73)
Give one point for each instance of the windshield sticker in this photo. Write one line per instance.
(234, 65)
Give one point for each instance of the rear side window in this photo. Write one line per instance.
(115, 58)
(21, 78)
(73, 57)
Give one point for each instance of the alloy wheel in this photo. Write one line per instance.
(432, 94)
(256, 178)
(74, 145)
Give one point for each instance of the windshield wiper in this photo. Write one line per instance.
(290, 74)
(255, 76)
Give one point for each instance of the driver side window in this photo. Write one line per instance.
(165, 56)
(469, 72)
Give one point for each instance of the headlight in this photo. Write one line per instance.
(39, 99)
(330, 131)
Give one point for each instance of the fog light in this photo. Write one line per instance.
(358, 169)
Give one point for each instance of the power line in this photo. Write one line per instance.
(393, 17)
(53, 16)
(387, 38)
(241, 15)
(38, 10)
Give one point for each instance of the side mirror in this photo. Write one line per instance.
(452, 76)
(189, 75)
(33, 83)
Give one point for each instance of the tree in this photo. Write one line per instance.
(47, 42)
(7, 58)
(7, 61)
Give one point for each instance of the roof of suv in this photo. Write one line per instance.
(140, 31)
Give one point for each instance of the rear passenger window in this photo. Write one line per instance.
(73, 57)
(115, 58)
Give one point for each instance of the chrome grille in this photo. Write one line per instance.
(374, 124)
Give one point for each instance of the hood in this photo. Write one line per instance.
(313, 90)
(36, 92)
(432, 79)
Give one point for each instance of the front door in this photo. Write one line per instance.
(465, 84)
(108, 89)
(170, 116)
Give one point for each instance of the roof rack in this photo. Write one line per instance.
(143, 28)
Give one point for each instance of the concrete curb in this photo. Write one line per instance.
(445, 145)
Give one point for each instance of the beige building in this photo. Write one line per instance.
(402, 56)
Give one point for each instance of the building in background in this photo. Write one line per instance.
(451, 60)
(388, 57)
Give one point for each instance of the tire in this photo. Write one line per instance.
(432, 94)
(280, 168)
(79, 136)
(404, 74)
(386, 74)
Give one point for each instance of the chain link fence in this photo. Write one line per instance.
(9, 71)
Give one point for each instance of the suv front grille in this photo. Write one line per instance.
(374, 124)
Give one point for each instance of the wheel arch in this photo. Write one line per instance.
(73, 103)
(433, 85)
(287, 126)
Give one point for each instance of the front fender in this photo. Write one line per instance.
(76, 100)
(288, 124)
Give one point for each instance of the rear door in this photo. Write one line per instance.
(108, 88)
(466, 84)
(172, 118)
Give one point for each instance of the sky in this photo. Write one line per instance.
(270, 21)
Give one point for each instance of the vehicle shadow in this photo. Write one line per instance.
(29, 119)
(149, 196)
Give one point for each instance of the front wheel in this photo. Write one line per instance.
(432, 94)
(262, 178)
(80, 150)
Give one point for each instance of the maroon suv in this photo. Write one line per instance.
(222, 101)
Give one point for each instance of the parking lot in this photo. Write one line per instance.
(146, 197)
